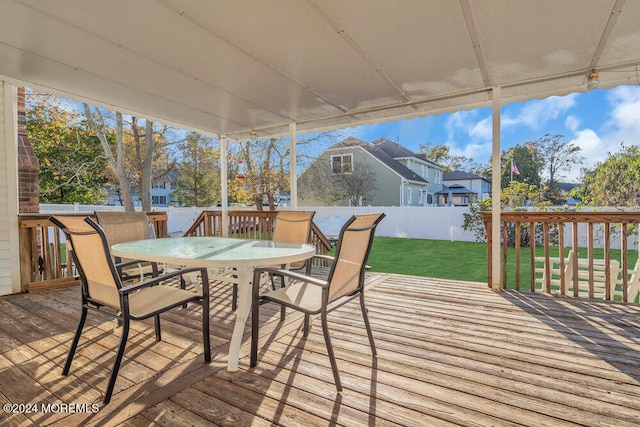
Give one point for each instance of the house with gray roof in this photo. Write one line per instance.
(378, 173)
(478, 187)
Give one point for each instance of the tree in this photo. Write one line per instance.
(517, 196)
(345, 188)
(265, 166)
(131, 171)
(198, 181)
(614, 182)
(115, 162)
(146, 156)
(527, 162)
(557, 156)
(72, 167)
(441, 155)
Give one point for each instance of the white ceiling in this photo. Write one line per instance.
(230, 67)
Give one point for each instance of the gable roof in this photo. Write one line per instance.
(460, 174)
(387, 152)
(455, 189)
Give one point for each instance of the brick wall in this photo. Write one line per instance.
(28, 188)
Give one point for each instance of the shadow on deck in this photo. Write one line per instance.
(449, 353)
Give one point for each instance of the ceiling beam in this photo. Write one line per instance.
(475, 40)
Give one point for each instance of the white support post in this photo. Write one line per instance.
(495, 192)
(293, 163)
(9, 224)
(224, 174)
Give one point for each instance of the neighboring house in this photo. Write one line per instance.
(161, 191)
(476, 184)
(565, 197)
(402, 177)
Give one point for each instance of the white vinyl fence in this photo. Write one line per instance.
(435, 223)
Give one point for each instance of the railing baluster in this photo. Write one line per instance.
(607, 262)
(576, 279)
(547, 264)
(505, 244)
(532, 255)
(517, 256)
(590, 245)
(563, 285)
(625, 260)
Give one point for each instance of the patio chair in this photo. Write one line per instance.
(103, 291)
(124, 227)
(290, 227)
(311, 295)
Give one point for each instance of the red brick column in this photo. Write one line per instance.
(28, 166)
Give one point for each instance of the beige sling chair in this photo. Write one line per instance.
(311, 295)
(103, 291)
(290, 227)
(125, 227)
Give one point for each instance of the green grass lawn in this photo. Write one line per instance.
(430, 258)
(457, 260)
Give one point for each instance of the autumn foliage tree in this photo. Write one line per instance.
(72, 165)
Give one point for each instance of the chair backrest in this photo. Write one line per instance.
(354, 244)
(292, 226)
(93, 260)
(124, 226)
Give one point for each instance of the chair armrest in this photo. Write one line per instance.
(331, 258)
(292, 275)
(158, 279)
(325, 257)
(128, 263)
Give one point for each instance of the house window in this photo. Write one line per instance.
(341, 163)
(159, 200)
(158, 185)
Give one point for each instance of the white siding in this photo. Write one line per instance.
(9, 249)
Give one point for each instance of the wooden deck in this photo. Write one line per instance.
(449, 353)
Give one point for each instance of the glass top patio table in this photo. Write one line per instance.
(216, 252)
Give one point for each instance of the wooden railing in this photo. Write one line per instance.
(44, 261)
(250, 225)
(575, 253)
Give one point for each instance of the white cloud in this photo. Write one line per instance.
(572, 123)
(536, 113)
(624, 124)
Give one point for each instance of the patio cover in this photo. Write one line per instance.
(247, 68)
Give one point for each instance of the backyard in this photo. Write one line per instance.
(458, 260)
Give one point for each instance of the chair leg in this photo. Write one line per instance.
(305, 329)
(283, 313)
(116, 364)
(206, 337)
(332, 356)
(157, 324)
(255, 324)
(365, 316)
(183, 285)
(76, 339)
(234, 298)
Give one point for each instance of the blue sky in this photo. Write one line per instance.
(597, 121)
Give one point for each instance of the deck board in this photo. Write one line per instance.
(449, 353)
